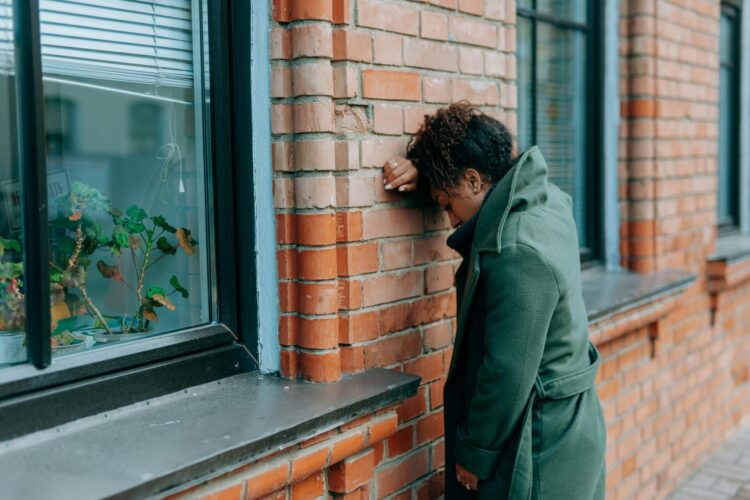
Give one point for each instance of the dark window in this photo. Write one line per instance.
(556, 64)
(729, 102)
(121, 135)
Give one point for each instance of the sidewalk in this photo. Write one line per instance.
(726, 475)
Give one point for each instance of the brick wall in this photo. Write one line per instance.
(366, 278)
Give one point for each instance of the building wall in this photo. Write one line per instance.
(366, 278)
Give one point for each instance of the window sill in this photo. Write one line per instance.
(611, 295)
(729, 266)
(149, 447)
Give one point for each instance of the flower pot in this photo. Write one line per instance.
(12, 347)
(103, 337)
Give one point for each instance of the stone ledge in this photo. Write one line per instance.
(729, 266)
(620, 302)
(152, 446)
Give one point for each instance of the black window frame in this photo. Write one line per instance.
(230, 195)
(731, 225)
(594, 200)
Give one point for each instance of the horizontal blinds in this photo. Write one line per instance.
(6, 36)
(133, 41)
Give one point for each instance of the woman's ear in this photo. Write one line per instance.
(474, 178)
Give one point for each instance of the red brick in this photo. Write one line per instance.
(392, 349)
(395, 254)
(345, 81)
(438, 278)
(477, 92)
(471, 61)
(315, 192)
(401, 442)
(348, 226)
(320, 367)
(352, 359)
(341, 11)
(475, 7)
(315, 229)
(436, 89)
(375, 152)
(280, 44)
(429, 428)
(430, 55)
(294, 10)
(437, 336)
(434, 308)
(391, 287)
(392, 222)
(432, 249)
(312, 40)
(281, 81)
(282, 119)
(317, 264)
(396, 318)
(288, 329)
(283, 193)
(638, 108)
(267, 480)
(381, 429)
(354, 191)
(287, 264)
(282, 156)
(436, 390)
(357, 259)
(388, 119)
(313, 117)
(352, 45)
(358, 327)
(317, 298)
(429, 367)
(397, 474)
(347, 476)
(393, 85)
(434, 25)
(310, 487)
(308, 463)
(314, 78)
(349, 294)
(346, 446)
(231, 493)
(288, 296)
(388, 49)
(473, 32)
(388, 17)
(414, 118)
(289, 363)
(318, 333)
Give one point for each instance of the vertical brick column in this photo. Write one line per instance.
(669, 133)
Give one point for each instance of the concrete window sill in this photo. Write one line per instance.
(152, 446)
(729, 266)
(620, 302)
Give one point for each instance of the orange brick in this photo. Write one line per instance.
(392, 349)
(434, 25)
(312, 40)
(435, 89)
(384, 428)
(295, 10)
(281, 81)
(357, 259)
(437, 336)
(393, 85)
(346, 446)
(313, 117)
(388, 49)
(434, 308)
(349, 294)
(348, 226)
(394, 476)
(388, 17)
(436, 391)
(388, 119)
(392, 222)
(282, 119)
(391, 287)
(401, 442)
(317, 298)
(477, 92)
(352, 45)
(289, 363)
(320, 367)
(314, 78)
(637, 108)
(318, 333)
(352, 359)
(231, 493)
(314, 192)
(288, 329)
(282, 156)
(430, 55)
(349, 475)
(288, 296)
(310, 487)
(341, 11)
(473, 32)
(412, 407)
(396, 318)
(280, 44)
(359, 327)
(354, 191)
(438, 278)
(429, 367)
(308, 463)
(286, 263)
(395, 254)
(317, 264)
(315, 229)
(475, 7)
(429, 428)
(267, 480)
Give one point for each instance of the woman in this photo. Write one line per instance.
(522, 418)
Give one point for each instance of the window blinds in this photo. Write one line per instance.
(134, 41)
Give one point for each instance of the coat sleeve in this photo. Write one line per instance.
(519, 295)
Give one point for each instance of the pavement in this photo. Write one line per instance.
(725, 476)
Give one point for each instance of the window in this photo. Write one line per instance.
(555, 92)
(729, 98)
(130, 167)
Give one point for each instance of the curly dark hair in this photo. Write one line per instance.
(456, 138)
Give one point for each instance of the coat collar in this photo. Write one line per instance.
(523, 187)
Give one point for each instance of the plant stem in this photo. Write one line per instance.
(139, 288)
(73, 260)
(90, 304)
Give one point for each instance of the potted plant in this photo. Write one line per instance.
(148, 240)
(75, 236)
(12, 313)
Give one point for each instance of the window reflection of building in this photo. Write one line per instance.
(60, 121)
(145, 124)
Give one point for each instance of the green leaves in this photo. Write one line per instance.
(154, 290)
(178, 287)
(165, 246)
(136, 213)
(121, 237)
(13, 245)
(161, 222)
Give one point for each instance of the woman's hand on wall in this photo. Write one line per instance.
(401, 174)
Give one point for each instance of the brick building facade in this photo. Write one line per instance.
(365, 280)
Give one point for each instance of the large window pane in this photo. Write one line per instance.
(12, 315)
(569, 10)
(129, 236)
(524, 53)
(560, 112)
(727, 202)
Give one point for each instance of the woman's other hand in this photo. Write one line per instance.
(467, 479)
(400, 174)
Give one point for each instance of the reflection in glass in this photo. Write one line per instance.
(525, 84)
(727, 196)
(12, 313)
(128, 231)
(560, 112)
(569, 10)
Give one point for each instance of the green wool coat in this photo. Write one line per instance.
(521, 411)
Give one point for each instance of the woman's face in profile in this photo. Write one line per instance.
(462, 201)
